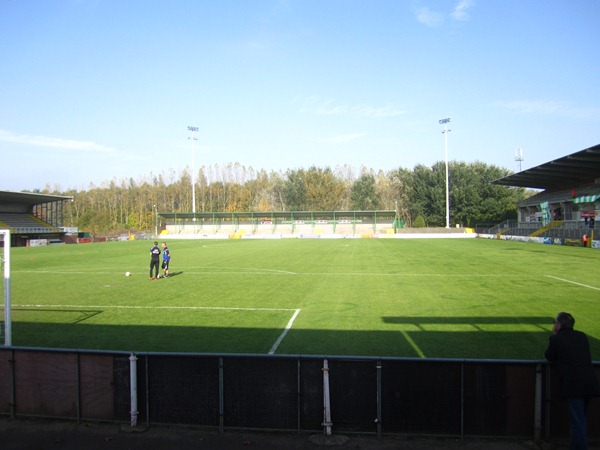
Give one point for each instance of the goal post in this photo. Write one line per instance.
(6, 323)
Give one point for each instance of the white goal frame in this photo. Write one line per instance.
(7, 305)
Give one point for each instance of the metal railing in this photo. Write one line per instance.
(368, 395)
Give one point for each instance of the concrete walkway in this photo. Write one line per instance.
(52, 435)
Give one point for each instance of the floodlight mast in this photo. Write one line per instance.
(519, 156)
(155, 220)
(446, 131)
(193, 138)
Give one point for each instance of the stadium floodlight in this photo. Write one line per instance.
(155, 220)
(193, 138)
(446, 131)
(519, 157)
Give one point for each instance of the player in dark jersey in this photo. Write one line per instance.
(166, 260)
(154, 260)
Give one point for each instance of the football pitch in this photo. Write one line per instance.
(423, 298)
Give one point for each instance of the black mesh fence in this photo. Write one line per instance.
(366, 395)
(421, 397)
(260, 393)
(353, 391)
(182, 390)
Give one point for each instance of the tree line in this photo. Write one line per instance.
(418, 195)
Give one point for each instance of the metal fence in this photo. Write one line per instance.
(568, 229)
(367, 395)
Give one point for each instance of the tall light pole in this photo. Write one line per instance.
(155, 220)
(519, 157)
(193, 138)
(446, 131)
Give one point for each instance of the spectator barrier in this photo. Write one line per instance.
(368, 395)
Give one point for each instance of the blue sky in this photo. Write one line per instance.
(95, 90)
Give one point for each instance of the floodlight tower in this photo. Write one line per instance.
(193, 138)
(155, 220)
(446, 131)
(519, 157)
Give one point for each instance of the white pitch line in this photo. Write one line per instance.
(267, 272)
(157, 307)
(413, 344)
(574, 282)
(287, 328)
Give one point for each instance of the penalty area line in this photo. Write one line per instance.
(574, 282)
(285, 331)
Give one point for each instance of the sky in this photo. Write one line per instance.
(99, 90)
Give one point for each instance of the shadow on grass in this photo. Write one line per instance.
(174, 274)
(477, 322)
(82, 315)
(418, 337)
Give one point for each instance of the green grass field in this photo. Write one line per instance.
(430, 298)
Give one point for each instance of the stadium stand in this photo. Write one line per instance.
(291, 223)
(568, 203)
(32, 217)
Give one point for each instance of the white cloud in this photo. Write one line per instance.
(326, 110)
(45, 141)
(461, 10)
(549, 107)
(530, 106)
(382, 111)
(434, 19)
(342, 138)
(428, 17)
(327, 107)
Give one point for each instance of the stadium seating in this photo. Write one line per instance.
(25, 223)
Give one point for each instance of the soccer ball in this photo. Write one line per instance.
(127, 274)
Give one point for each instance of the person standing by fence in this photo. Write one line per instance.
(570, 350)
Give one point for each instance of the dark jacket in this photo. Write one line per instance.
(570, 350)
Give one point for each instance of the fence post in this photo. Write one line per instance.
(462, 399)
(221, 396)
(78, 381)
(538, 403)
(133, 389)
(378, 420)
(12, 382)
(326, 400)
(547, 403)
(299, 395)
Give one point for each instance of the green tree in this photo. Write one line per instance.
(364, 195)
(295, 190)
(324, 191)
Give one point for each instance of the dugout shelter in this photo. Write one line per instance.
(31, 216)
(568, 203)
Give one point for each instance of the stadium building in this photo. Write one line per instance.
(32, 219)
(568, 203)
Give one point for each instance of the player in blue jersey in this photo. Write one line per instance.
(154, 260)
(166, 260)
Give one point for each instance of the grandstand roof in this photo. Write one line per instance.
(578, 168)
(29, 198)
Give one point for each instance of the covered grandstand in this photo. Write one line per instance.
(276, 224)
(32, 217)
(568, 204)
